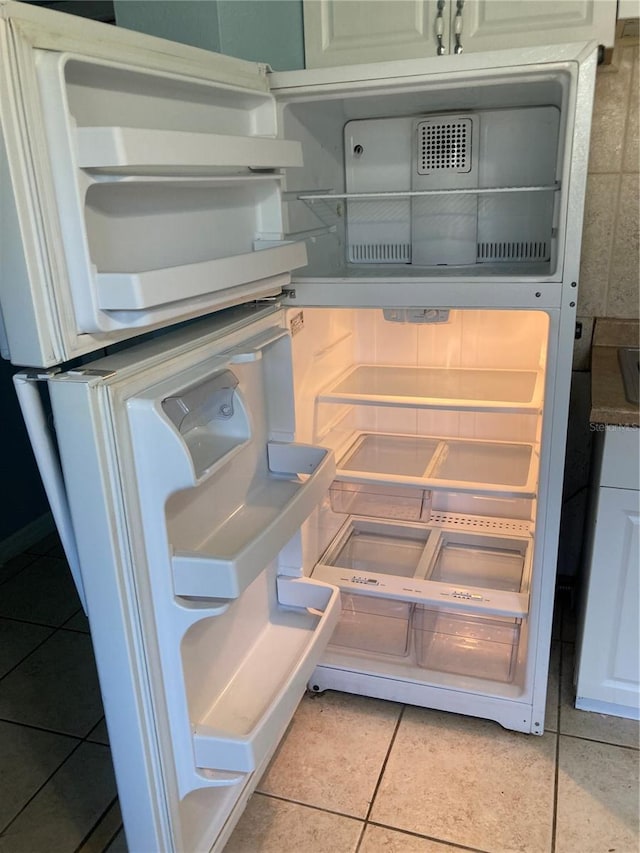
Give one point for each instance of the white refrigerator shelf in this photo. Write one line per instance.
(136, 291)
(247, 715)
(174, 151)
(454, 388)
(428, 462)
(465, 571)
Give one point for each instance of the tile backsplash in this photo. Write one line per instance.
(610, 274)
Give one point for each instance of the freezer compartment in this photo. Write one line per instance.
(373, 625)
(271, 512)
(434, 183)
(464, 644)
(246, 670)
(388, 501)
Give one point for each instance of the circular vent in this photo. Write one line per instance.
(444, 144)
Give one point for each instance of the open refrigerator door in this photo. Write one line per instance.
(113, 145)
(187, 493)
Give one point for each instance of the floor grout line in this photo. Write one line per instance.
(308, 805)
(88, 835)
(380, 775)
(453, 844)
(79, 743)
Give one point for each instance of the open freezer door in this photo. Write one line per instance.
(185, 486)
(146, 184)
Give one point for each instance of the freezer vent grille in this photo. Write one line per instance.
(480, 522)
(444, 144)
(514, 251)
(380, 253)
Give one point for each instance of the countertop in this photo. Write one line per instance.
(608, 402)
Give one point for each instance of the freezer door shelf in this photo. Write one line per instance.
(148, 289)
(464, 571)
(132, 150)
(454, 388)
(470, 465)
(252, 710)
(234, 554)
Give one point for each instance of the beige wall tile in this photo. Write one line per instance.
(274, 826)
(332, 755)
(597, 798)
(610, 112)
(623, 297)
(597, 240)
(631, 157)
(472, 783)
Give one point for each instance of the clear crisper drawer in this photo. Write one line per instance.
(380, 548)
(464, 644)
(373, 625)
(477, 560)
(396, 502)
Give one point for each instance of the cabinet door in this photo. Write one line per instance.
(500, 24)
(609, 664)
(345, 32)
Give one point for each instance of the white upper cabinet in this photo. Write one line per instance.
(343, 32)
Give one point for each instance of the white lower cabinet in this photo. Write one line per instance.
(608, 669)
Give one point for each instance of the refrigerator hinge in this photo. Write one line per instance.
(92, 371)
(289, 292)
(39, 375)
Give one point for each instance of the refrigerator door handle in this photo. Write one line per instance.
(48, 462)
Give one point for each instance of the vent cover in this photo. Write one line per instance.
(479, 522)
(444, 144)
(524, 250)
(380, 253)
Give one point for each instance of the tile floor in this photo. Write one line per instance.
(353, 774)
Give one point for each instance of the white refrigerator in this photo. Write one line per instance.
(342, 468)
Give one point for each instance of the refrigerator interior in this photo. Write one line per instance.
(259, 483)
(442, 179)
(429, 528)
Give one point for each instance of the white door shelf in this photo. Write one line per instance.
(455, 388)
(251, 710)
(233, 555)
(143, 151)
(471, 465)
(462, 571)
(141, 290)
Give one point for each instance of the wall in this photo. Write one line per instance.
(268, 31)
(610, 275)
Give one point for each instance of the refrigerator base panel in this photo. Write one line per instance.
(509, 713)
